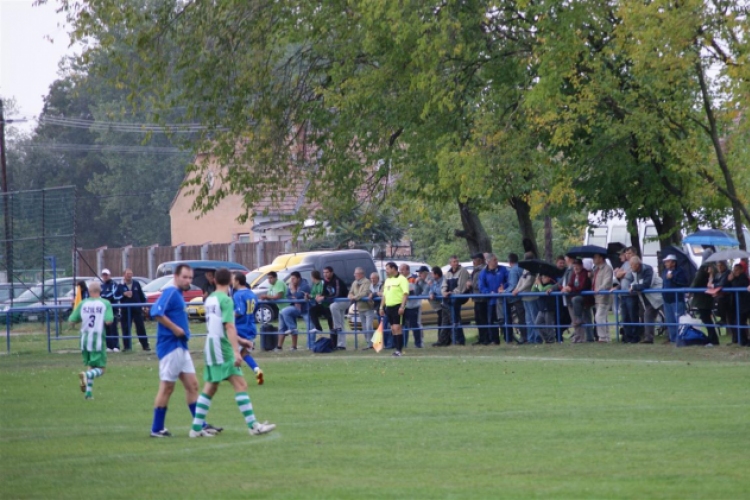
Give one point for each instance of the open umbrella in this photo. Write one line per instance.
(613, 253)
(711, 237)
(731, 254)
(586, 251)
(538, 266)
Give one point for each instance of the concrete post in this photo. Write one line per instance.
(152, 261)
(231, 252)
(125, 258)
(100, 260)
(178, 251)
(204, 250)
(259, 252)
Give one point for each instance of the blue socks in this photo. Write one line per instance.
(250, 362)
(160, 414)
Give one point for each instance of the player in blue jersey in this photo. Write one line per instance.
(244, 313)
(172, 335)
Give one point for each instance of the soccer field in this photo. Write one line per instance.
(556, 421)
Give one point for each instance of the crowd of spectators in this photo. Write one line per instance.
(521, 305)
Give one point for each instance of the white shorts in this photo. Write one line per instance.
(175, 363)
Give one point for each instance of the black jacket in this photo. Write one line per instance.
(138, 296)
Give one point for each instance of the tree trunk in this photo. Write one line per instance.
(548, 238)
(664, 226)
(730, 192)
(473, 231)
(523, 213)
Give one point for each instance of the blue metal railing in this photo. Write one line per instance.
(503, 313)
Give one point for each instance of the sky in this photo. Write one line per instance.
(28, 59)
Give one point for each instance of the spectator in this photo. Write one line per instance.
(456, 282)
(547, 308)
(602, 285)
(277, 288)
(82, 293)
(299, 289)
(336, 289)
(411, 313)
(577, 304)
(530, 305)
(740, 304)
(718, 279)
(435, 291)
(376, 292)
(422, 288)
(493, 279)
(674, 302)
(131, 293)
(628, 303)
(338, 311)
(359, 295)
(644, 278)
(702, 301)
(209, 286)
(481, 317)
(514, 305)
(319, 307)
(564, 264)
(109, 293)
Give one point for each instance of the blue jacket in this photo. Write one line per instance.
(302, 289)
(678, 280)
(490, 280)
(110, 291)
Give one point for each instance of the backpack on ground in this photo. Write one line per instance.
(268, 341)
(323, 345)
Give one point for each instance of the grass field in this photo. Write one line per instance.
(556, 421)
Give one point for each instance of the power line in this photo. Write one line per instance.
(128, 127)
(96, 148)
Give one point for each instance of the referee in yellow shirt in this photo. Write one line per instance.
(395, 295)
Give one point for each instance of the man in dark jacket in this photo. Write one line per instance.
(577, 304)
(110, 293)
(335, 289)
(703, 302)
(740, 302)
(131, 293)
(674, 302)
(480, 303)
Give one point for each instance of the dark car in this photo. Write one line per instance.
(343, 263)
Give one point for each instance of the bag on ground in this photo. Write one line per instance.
(268, 341)
(323, 345)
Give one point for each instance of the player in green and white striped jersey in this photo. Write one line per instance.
(93, 313)
(223, 360)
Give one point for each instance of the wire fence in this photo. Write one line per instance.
(455, 314)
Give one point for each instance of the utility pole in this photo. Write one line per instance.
(6, 214)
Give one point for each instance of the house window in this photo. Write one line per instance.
(243, 238)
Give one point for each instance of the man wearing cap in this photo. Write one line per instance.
(673, 278)
(480, 303)
(454, 283)
(111, 294)
(602, 284)
(411, 312)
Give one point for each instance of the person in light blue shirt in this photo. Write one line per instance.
(172, 335)
(514, 304)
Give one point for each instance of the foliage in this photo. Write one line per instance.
(364, 227)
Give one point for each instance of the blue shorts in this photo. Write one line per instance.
(244, 334)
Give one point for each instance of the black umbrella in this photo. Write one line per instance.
(613, 253)
(683, 261)
(586, 251)
(538, 266)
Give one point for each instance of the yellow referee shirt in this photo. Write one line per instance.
(394, 290)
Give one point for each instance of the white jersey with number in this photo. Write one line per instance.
(93, 313)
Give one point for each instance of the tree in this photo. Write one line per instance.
(343, 96)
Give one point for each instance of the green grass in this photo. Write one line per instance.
(558, 421)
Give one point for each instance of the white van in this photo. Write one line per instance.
(616, 230)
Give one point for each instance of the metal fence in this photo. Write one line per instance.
(735, 323)
(38, 238)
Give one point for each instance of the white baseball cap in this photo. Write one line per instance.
(105, 271)
(670, 257)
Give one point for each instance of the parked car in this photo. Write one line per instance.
(199, 269)
(39, 295)
(154, 289)
(343, 263)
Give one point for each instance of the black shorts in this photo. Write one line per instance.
(394, 318)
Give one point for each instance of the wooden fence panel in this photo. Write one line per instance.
(218, 251)
(112, 260)
(138, 258)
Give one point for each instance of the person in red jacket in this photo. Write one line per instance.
(579, 281)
